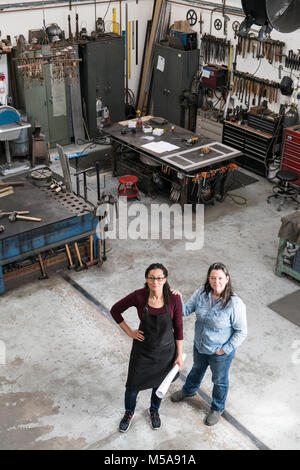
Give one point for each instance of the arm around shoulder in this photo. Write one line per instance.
(192, 303)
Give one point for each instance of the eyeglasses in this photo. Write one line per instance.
(158, 279)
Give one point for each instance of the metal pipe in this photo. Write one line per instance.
(211, 5)
(211, 15)
(16, 7)
(127, 52)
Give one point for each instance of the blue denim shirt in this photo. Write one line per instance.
(216, 327)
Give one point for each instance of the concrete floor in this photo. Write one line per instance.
(63, 382)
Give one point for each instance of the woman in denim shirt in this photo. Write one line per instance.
(221, 327)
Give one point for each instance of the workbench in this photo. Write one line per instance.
(178, 157)
(66, 218)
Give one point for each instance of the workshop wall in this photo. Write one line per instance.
(14, 22)
(260, 68)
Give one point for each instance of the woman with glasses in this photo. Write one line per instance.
(157, 343)
(221, 327)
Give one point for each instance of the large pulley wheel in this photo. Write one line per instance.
(236, 26)
(191, 16)
(218, 24)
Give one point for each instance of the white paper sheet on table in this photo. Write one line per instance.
(160, 147)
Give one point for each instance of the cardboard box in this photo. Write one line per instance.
(183, 26)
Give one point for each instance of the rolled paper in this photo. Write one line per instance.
(164, 386)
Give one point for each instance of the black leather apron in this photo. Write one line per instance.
(152, 359)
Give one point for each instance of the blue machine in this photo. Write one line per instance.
(188, 41)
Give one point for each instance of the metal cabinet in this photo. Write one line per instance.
(102, 77)
(255, 144)
(45, 102)
(173, 72)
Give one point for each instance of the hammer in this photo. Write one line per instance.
(81, 265)
(71, 265)
(92, 262)
(14, 216)
(3, 214)
(44, 274)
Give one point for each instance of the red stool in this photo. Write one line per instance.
(127, 186)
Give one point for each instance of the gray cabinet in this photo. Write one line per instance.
(45, 102)
(102, 77)
(173, 72)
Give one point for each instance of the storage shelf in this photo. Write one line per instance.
(255, 145)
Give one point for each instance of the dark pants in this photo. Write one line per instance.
(130, 400)
(220, 368)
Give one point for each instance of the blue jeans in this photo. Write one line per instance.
(220, 368)
(130, 401)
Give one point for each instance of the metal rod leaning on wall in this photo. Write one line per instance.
(149, 55)
(126, 49)
(211, 5)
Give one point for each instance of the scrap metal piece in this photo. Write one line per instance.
(64, 161)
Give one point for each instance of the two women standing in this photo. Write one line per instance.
(220, 328)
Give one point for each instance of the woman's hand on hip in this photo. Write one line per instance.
(137, 334)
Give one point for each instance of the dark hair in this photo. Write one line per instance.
(166, 289)
(227, 292)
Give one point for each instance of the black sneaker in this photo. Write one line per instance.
(155, 419)
(125, 422)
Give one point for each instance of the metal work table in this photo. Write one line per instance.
(185, 161)
(65, 218)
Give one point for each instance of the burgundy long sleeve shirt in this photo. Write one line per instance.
(138, 299)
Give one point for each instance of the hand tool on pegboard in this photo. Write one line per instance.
(201, 22)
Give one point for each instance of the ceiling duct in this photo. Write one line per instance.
(283, 15)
